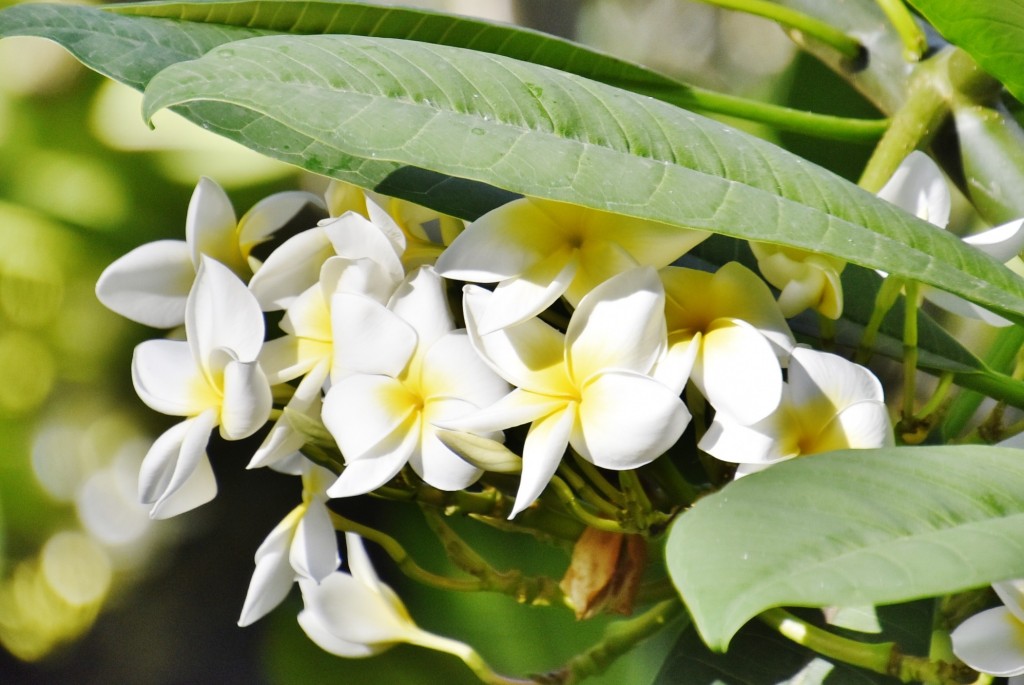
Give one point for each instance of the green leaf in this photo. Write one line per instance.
(848, 528)
(990, 31)
(540, 132)
(329, 16)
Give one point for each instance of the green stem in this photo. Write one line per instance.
(779, 117)
(536, 590)
(885, 298)
(910, 349)
(468, 655)
(668, 477)
(879, 657)
(937, 398)
(847, 46)
(568, 498)
(1000, 357)
(586, 492)
(597, 478)
(619, 637)
(402, 559)
(911, 35)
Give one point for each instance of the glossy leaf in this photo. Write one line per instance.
(540, 132)
(356, 18)
(990, 31)
(850, 528)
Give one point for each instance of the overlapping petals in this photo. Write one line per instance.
(212, 378)
(806, 280)
(538, 250)
(151, 283)
(400, 368)
(828, 403)
(589, 388)
(303, 546)
(728, 327)
(992, 642)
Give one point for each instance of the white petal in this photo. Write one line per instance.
(524, 296)
(1012, 594)
(210, 225)
(821, 379)
(627, 420)
(292, 268)
(453, 369)
(351, 611)
(319, 632)
(270, 214)
(600, 259)
(371, 471)
(273, 575)
(199, 488)
(1003, 243)
(420, 301)
(354, 237)
(530, 355)
(738, 371)
(958, 305)
(991, 642)
(515, 409)
(283, 440)
(919, 187)
(358, 276)
(314, 549)
(285, 358)
(860, 425)
(222, 313)
(368, 338)
(505, 242)
(247, 400)
(674, 367)
(760, 443)
(168, 379)
(542, 453)
(437, 465)
(620, 324)
(309, 316)
(362, 411)
(173, 457)
(359, 563)
(149, 284)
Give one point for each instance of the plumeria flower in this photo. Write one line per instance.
(919, 187)
(728, 328)
(212, 379)
(303, 546)
(356, 615)
(151, 283)
(399, 369)
(359, 258)
(828, 403)
(589, 387)
(806, 280)
(538, 250)
(992, 642)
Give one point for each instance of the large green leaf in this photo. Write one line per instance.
(990, 31)
(855, 527)
(357, 18)
(545, 133)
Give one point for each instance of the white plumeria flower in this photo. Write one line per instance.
(728, 328)
(213, 379)
(151, 283)
(358, 258)
(302, 547)
(356, 615)
(828, 403)
(405, 368)
(992, 642)
(537, 250)
(919, 187)
(806, 280)
(589, 388)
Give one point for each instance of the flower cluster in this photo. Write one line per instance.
(580, 337)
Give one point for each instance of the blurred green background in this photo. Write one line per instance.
(92, 591)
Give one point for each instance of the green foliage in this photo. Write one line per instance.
(850, 528)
